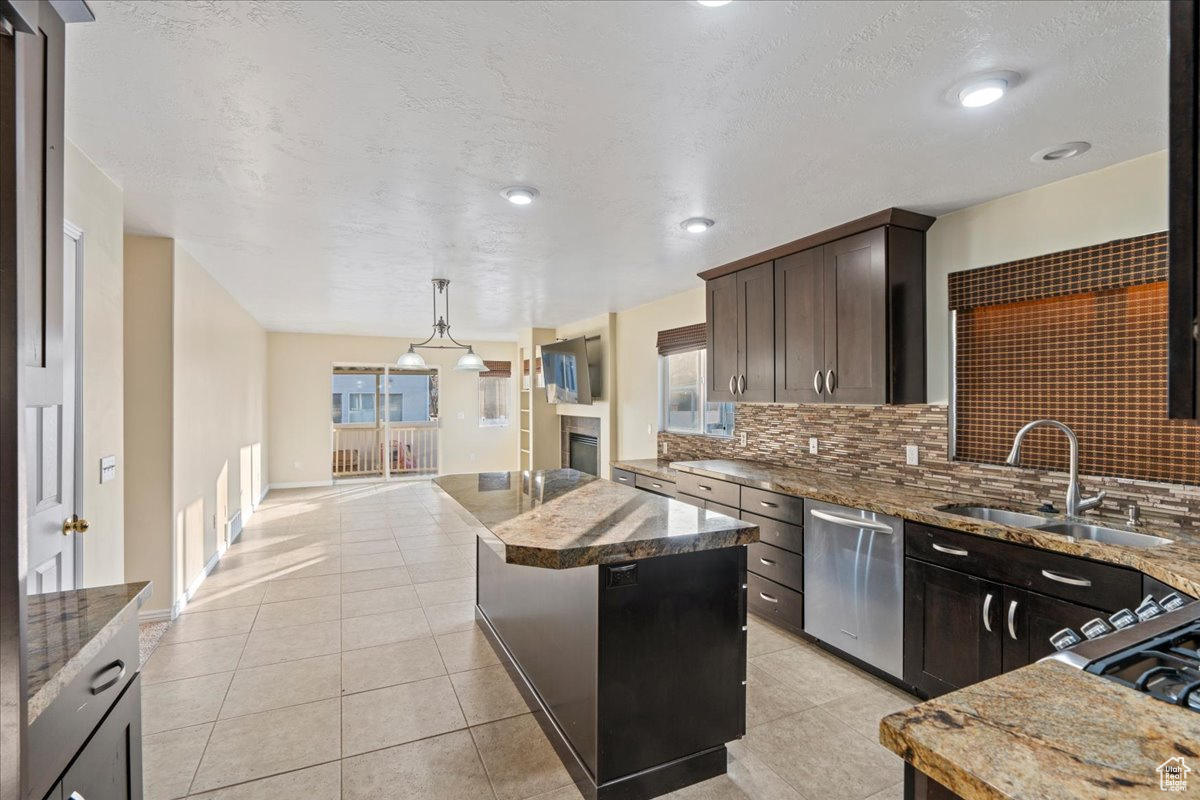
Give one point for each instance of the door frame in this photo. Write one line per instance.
(75, 233)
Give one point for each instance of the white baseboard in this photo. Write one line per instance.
(262, 495)
(299, 485)
(156, 615)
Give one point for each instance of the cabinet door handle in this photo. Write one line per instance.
(818, 386)
(987, 612)
(100, 686)
(830, 381)
(1012, 619)
(741, 384)
(765, 504)
(733, 385)
(950, 551)
(766, 561)
(768, 597)
(76, 796)
(1067, 579)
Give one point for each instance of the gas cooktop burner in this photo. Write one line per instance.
(1159, 656)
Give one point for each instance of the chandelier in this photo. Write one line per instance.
(468, 362)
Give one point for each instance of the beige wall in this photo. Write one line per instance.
(219, 401)
(1127, 199)
(94, 204)
(299, 406)
(148, 405)
(195, 396)
(638, 368)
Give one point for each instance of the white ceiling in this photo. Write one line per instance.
(325, 159)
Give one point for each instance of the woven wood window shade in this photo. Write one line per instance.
(682, 340)
(525, 366)
(497, 369)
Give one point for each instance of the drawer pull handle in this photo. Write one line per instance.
(656, 485)
(950, 551)
(848, 633)
(765, 504)
(768, 597)
(1067, 579)
(705, 488)
(99, 686)
(76, 796)
(766, 561)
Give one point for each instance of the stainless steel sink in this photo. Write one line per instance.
(999, 515)
(1098, 533)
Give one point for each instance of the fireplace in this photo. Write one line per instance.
(583, 453)
(580, 443)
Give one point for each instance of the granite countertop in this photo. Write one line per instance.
(65, 631)
(1176, 564)
(1048, 731)
(563, 518)
(657, 468)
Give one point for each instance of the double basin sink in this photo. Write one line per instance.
(1069, 528)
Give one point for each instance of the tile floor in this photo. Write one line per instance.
(334, 653)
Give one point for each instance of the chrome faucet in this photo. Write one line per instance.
(1076, 502)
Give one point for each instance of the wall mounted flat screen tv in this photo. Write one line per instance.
(570, 375)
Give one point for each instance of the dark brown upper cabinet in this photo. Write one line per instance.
(1183, 374)
(800, 327)
(741, 335)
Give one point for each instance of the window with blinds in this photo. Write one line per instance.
(683, 396)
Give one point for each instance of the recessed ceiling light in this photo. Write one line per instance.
(982, 89)
(1061, 152)
(520, 195)
(713, 3)
(983, 93)
(696, 224)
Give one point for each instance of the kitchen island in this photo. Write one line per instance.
(621, 616)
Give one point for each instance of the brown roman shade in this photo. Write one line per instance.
(525, 366)
(497, 369)
(682, 340)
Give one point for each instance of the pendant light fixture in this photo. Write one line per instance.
(468, 362)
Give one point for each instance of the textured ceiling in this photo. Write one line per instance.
(325, 159)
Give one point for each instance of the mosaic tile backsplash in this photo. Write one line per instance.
(869, 441)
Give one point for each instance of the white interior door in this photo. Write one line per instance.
(50, 434)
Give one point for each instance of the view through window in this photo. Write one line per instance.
(686, 408)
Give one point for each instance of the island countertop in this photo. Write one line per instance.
(1048, 731)
(65, 630)
(563, 518)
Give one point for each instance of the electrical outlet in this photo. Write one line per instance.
(462, 415)
(742, 438)
(911, 455)
(664, 448)
(812, 445)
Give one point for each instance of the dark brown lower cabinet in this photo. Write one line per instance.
(951, 628)
(109, 767)
(960, 629)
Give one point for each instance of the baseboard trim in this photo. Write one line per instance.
(298, 485)
(156, 615)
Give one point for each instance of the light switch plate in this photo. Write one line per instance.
(812, 446)
(108, 469)
(911, 455)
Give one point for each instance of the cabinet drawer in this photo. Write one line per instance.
(782, 566)
(60, 730)
(1103, 586)
(775, 602)
(781, 534)
(723, 492)
(783, 507)
(728, 511)
(624, 476)
(654, 485)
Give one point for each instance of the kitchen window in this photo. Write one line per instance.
(684, 399)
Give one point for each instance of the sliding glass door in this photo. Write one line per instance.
(384, 422)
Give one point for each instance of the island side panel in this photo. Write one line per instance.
(547, 618)
(672, 662)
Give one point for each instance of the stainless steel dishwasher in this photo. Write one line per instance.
(854, 583)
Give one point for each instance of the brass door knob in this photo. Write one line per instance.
(75, 525)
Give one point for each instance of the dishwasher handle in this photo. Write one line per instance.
(852, 522)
